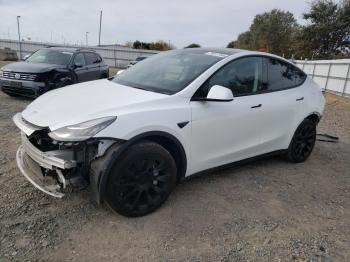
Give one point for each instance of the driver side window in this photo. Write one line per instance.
(243, 76)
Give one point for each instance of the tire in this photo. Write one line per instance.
(141, 180)
(302, 142)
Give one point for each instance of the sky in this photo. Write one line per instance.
(182, 22)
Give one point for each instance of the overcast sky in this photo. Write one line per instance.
(207, 22)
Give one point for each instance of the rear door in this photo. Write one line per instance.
(93, 65)
(81, 71)
(283, 103)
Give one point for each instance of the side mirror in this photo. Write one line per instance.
(77, 65)
(219, 94)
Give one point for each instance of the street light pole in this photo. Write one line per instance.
(99, 33)
(19, 38)
(86, 38)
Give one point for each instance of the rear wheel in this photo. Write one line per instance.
(303, 142)
(141, 179)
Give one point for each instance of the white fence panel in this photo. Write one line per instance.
(331, 75)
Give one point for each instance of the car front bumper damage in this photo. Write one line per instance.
(32, 162)
(59, 167)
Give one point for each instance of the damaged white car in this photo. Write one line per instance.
(177, 113)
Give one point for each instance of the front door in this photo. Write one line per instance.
(225, 132)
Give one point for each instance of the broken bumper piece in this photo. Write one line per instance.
(31, 162)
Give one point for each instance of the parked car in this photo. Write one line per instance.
(51, 68)
(140, 58)
(176, 114)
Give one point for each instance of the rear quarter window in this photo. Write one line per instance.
(282, 75)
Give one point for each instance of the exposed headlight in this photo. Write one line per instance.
(1, 73)
(82, 131)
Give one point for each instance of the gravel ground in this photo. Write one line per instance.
(269, 210)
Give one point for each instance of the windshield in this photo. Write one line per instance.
(48, 56)
(168, 72)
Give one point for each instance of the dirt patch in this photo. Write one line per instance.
(268, 210)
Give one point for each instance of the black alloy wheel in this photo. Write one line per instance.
(141, 180)
(303, 142)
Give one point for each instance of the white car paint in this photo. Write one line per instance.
(218, 132)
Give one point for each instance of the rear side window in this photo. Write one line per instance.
(79, 59)
(91, 58)
(282, 75)
(99, 59)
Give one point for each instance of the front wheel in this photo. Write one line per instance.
(302, 142)
(141, 179)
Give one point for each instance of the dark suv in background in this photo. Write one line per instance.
(51, 68)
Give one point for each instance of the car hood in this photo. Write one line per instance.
(26, 67)
(83, 102)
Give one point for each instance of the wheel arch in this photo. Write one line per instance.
(315, 117)
(168, 141)
(58, 74)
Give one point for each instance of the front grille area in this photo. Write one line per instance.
(19, 76)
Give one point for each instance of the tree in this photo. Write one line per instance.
(129, 44)
(271, 32)
(232, 44)
(141, 45)
(193, 45)
(328, 31)
(326, 34)
(159, 45)
(243, 41)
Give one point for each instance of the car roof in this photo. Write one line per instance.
(226, 51)
(69, 49)
(234, 51)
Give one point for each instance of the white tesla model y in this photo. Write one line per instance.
(170, 116)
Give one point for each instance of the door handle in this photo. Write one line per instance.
(259, 105)
(300, 99)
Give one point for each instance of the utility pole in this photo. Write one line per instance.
(86, 38)
(19, 38)
(99, 33)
